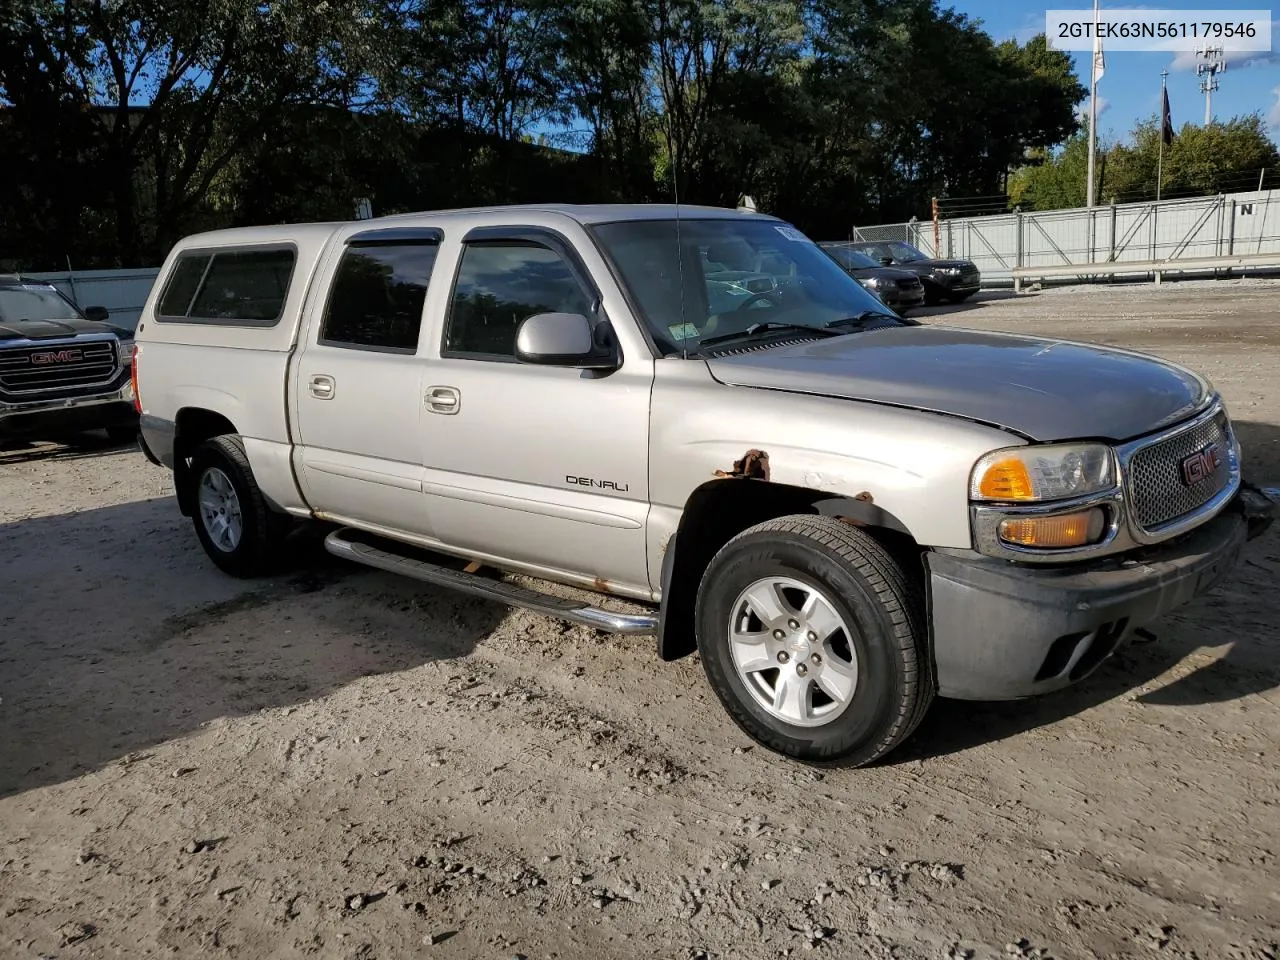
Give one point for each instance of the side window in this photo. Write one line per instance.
(237, 286)
(377, 296)
(186, 277)
(499, 285)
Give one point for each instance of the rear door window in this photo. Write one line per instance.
(377, 297)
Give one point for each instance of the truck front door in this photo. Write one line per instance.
(543, 465)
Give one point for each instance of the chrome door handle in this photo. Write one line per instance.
(322, 386)
(443, 399)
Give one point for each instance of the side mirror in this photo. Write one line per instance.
(562, 340)
(97, 314)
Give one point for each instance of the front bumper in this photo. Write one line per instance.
(47, 419)
(900, 299)
(1004, 631)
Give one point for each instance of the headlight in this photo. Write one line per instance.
(950, 271)
(1035, 474)
(871, 283)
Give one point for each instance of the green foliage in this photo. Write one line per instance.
(133, 122)
(1201, 161)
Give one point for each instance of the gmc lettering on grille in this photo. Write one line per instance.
(56, 356)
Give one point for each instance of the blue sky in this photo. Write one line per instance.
(1130, 88)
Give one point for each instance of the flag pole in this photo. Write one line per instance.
(1164, 74)
(1093, 107)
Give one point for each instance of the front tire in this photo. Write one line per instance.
(241, 534)
(813, 638)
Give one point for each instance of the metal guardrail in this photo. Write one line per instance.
(1158, 268)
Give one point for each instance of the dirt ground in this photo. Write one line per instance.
(338, 763)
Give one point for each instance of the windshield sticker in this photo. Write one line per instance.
(683, 331)
(791, 233)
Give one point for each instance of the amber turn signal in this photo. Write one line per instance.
(1064, 530)
(1007, 480)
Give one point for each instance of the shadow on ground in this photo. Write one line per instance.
(1242, 613)
(983, 298)
(82, 447)
(117, 634)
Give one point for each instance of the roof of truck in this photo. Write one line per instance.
(590, 212)
(583, 213)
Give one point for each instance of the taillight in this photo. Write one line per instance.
(133, 377)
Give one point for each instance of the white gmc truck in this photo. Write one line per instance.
(844, 512)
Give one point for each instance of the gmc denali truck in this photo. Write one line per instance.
(844, 512)
(62, 371)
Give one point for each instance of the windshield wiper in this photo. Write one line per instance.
(770, 326)
(859, 319)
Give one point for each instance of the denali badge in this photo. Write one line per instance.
(601, 484)
(1201, 465)
(57, 356)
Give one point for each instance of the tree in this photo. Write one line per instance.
(1201, 161)
(172, 93)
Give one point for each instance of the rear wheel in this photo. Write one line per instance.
(233, 522)
(813, 637)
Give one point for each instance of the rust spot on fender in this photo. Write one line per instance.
(865, 497)
(754, 465)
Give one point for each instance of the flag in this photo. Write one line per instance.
(1099, 63)
(1166, 122)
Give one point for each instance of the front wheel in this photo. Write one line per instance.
(813, 638)
(238, 530)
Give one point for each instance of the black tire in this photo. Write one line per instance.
(258, 549)
(883, 607)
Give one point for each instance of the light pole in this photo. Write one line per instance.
(1094, 74)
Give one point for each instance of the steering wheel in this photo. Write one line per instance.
(762, 295)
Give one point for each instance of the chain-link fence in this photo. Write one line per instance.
(886, 232)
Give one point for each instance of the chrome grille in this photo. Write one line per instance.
(48, 368)
(1158, 492)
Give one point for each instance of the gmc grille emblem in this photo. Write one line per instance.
(57, 356)
(1201, 465)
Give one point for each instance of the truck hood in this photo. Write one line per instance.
(50, 329)
(1043, 389)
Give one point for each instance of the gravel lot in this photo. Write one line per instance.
(338, 763)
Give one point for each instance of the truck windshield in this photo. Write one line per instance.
(728, 276)
(31, 302)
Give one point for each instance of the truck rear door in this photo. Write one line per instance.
(358, 382)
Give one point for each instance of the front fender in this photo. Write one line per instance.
(910, 464)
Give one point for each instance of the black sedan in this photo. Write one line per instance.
(950, 280)
(899, 290)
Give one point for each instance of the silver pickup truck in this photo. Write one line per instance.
(844, 512)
